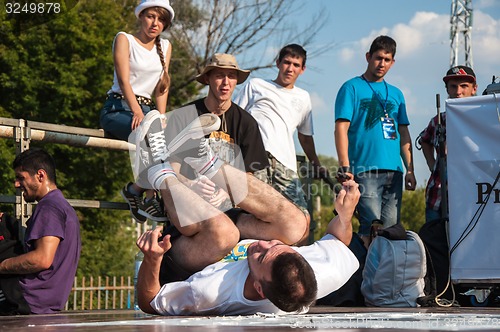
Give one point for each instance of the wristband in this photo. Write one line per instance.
(344, 169)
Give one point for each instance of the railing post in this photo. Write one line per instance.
(114, 292)
(22, 137)
(91, 292)
(83, 292)
(75, 294)
(99, 285)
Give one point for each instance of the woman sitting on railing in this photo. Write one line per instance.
(141, 65)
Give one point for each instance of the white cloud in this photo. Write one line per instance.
(483, 4)
(318, 103)
(485, 47)
(347, 54)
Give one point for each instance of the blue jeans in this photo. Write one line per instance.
(116, 117)
(381, 194)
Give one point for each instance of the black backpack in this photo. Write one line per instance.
(12, 301)
(349, 295)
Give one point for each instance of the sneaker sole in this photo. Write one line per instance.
(198, 128)
(152, 218)
(130, 209)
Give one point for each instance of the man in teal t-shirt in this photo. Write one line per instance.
(372, 139)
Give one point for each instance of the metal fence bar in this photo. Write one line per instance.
(117, 294)
(23, 132)
(99, 292)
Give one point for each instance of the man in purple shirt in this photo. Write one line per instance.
(52, 238)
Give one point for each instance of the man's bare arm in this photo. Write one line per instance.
(345, 204)
(34, 261)
(148, 280)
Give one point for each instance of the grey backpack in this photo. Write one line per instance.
(394, 272)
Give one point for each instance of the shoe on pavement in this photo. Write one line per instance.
(134, 204)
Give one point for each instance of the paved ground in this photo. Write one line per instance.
(319, 319)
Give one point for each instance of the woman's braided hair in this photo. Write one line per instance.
(164, 83)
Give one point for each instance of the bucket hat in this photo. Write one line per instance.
(225, 61)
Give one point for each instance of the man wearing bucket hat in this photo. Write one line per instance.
(140, 84)
(460, 82)
(238, 132)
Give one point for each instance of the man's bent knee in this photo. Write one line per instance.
(298, 227)
(223, 235)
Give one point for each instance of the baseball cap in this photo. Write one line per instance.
(461, 72)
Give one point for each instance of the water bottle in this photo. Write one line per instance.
(138, 261)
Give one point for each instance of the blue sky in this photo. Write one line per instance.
(421, 29)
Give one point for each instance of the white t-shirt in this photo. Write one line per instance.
(279, 112)
(145, 67)
(218, 289)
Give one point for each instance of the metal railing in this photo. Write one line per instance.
(101, 293)
(25, 131)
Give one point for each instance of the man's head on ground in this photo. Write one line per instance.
(291, 64)
(460, 82)
(35, 173)
(380, 58)
(282, 275)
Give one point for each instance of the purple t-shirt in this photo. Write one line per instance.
(48, 290)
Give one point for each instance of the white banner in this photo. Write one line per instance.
(473, 139)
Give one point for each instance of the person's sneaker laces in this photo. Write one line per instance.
(207, 163)
(153, 210)
(134, 203)
(151, 146)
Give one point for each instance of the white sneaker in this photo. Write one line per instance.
(207, 163)
(151, 146)
(150, 138)
(198, 128)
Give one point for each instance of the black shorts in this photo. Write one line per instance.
(170, 270)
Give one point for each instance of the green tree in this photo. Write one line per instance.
(58, 72)
(413, 209)
(57, 69)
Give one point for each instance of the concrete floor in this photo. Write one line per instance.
(320, 318)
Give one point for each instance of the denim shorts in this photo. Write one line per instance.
(285, 181)
(116, 117)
